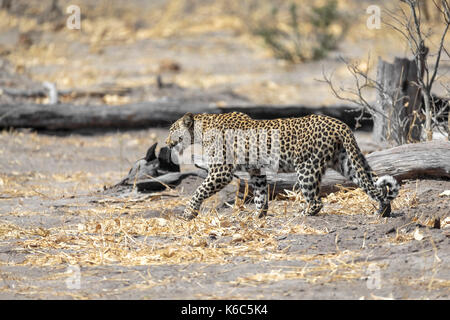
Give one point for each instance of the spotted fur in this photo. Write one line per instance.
(307, 145)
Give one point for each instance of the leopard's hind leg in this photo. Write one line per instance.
(309, 176)
(351, 163)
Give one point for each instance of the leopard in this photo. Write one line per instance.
(306, 146)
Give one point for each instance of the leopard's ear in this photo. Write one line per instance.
(188, 119)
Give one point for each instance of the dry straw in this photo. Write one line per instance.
(113, 231)
(116, 233)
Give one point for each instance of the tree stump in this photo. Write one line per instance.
(398, 101)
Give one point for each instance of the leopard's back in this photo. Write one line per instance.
(291, 139)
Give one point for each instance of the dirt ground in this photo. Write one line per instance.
(56, 218)
(64, 235)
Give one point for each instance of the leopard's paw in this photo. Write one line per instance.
(189, 214)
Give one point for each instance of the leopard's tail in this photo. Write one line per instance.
(356, 168)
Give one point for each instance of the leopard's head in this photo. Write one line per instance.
(181, 133)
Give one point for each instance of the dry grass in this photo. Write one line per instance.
(102, 27)
(350, 201)
(44, 165)
(319, 269)
(132, 240)
(12, 231)
(29, 184)
(80, 60)
(114, 233)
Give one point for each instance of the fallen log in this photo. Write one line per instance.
(41, 91)
(171, 180)
(429, 160)
(154, 173)
(71, 117)
(63, 116)
(345, 113)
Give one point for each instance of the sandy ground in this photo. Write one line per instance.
(56, 218)
(63, 236)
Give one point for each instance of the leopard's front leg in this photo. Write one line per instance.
(218, 177)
